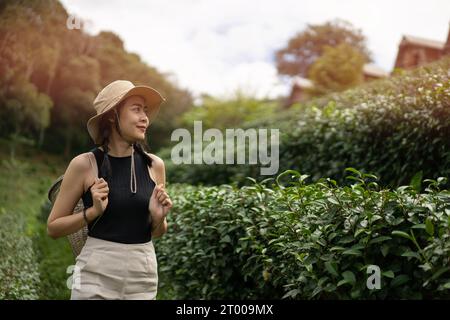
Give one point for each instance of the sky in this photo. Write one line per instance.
(219, 46)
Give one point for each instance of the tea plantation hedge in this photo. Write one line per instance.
(292, 239)
(19, 268)
(395, 127)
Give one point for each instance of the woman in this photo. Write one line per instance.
(124, 207)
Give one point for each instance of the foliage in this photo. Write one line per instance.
(289, 239)
(396, 128)
(19, 275)
(307, 46)
(50, 75)
(32, 265)
(230, 113)
(339, 68)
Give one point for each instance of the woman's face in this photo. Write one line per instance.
(133, 118)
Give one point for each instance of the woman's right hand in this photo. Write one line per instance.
(99, 192)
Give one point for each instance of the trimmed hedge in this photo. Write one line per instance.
(307, 241)
(32, 265)
(54, 257)
(395, 127)
(19, 269)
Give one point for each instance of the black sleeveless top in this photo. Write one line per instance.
(126, 217)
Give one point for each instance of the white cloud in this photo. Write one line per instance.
(216, 46)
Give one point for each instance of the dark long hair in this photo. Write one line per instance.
(105, 129)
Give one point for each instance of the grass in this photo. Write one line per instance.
(23, 190)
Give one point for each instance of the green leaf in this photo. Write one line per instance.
(316, 291)
(358, 246)
(388, 274)
(286, 172)
(375, 218)
(384, 250)
(399, 280)
(322, 281)
(349, 277)
(333, 200)
(379, 239)
(337, 248)
(438, 273)
(359, 231)
(226, 239)
(397, 221)
(354, 252)
(429, 227)
(416, 181)
(411, 254)
(330, 287)
(354, 171)
(331, 268)
(355, 293)
(353, 178)
(292, 293)
(346, 239)
(402, 234)
(340, 283)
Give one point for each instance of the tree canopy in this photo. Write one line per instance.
(307, 46)
(50, 75)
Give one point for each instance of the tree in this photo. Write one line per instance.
(337, 69)
(307, 46)
(52, 74)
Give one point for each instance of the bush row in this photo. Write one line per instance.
(286, 238)
(396, 128)
(19, 268)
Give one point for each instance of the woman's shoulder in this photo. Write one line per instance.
(81, 162)
(158, 166)
(81, 165)
(157, 161)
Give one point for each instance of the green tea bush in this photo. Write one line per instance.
(19, 269)
(293, 240)
(200, 257)
(54, 257)
(395, 128)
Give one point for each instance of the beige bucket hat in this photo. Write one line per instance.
(116, 92)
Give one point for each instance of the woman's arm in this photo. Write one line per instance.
(61, 221)
(159, 232)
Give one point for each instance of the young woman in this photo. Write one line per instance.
(125, 203)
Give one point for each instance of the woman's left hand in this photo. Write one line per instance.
(160, 203)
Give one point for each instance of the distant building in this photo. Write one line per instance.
(300, 86)
(299, 92)
(414, 51)
(372, 72)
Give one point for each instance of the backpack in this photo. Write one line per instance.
(78, 238)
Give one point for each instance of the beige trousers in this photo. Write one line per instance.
(112, 270)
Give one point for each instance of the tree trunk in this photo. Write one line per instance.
(68, 146)
(53, 69)
(41, 137)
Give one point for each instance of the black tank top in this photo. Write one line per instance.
(126, 217)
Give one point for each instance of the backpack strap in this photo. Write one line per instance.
(150, 172)
(94, 167)
(151, 175)
(92, 156)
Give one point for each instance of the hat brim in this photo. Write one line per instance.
(153, 100)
